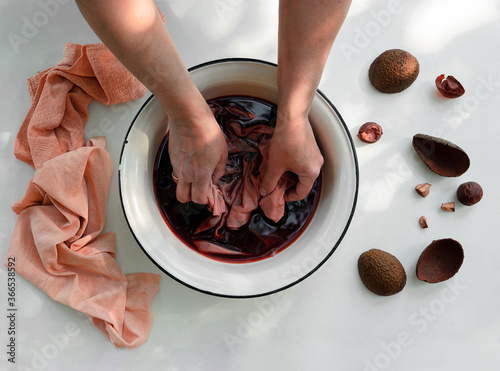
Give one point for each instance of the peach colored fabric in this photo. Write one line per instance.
(236, 196)
(60, 96)
(57, 240)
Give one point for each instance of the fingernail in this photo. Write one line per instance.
(263, 192)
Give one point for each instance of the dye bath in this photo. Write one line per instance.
(260, 237)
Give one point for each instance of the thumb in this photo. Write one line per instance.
(301, 189)
(269, 181)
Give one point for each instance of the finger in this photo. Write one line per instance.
(175, 178)
(183, 191)
(269, 181)
(300, 191)
(219, 172)
(199, 192)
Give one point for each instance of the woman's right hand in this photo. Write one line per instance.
(134, 31)
(198, 152)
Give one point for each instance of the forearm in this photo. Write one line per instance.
(306, 33)
(135, 34)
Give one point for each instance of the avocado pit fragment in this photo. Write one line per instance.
(448, 206)
(440, 261)
(423, 222)
(423, 189)
(370, 132)
(441, 156)
(449, 87)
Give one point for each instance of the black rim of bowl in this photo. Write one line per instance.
(334, 247)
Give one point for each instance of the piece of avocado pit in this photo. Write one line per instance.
(441, 156)
(448, 206)
(449, 87)
(423, 222)
(423, 189)
(440, 261)
(370, 132)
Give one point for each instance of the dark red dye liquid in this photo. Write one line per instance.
(260, 237)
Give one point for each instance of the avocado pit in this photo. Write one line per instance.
(393, 71)
(381, 272)
(469, 193)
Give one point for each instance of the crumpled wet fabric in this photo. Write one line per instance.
(236, 195)
(57, 242)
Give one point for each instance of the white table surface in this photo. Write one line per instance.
(330, 321)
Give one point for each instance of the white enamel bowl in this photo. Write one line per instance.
(314, 246)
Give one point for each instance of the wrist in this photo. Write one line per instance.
(193, 123)
(292, 115)
(187, 108)
(294, 102)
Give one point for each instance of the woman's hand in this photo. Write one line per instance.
(292, 148)
(306, 32)
(198, 153)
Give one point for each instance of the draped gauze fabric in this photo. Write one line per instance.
(57, 242)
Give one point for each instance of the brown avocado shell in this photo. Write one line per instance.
(381, 272)
(441, 156)
(440, 261)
